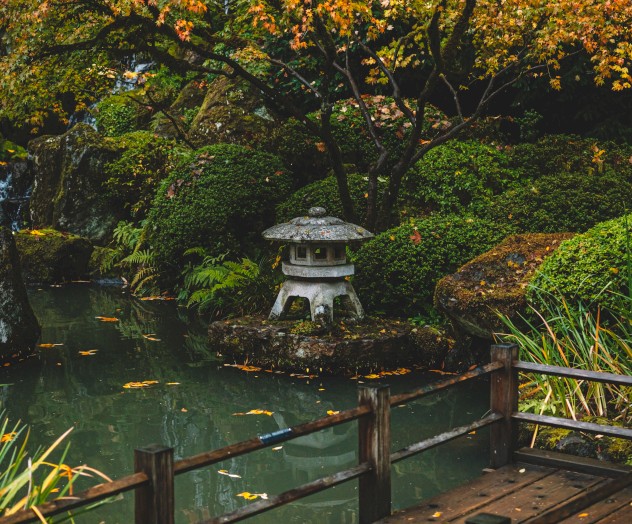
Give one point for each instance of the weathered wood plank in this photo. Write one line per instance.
(374, 447)
(442, 438)
(480, 371)
(253, 444)
(622, 516)
(577, 374)
(289, 496)
(473, 497)
(589, 427)
(605, 510)
(503, 401)
(570, 462)
(155, 501)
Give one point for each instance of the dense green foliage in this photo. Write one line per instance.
(134, 176)
(457, 177)
(219, 198)
(119, 114)
(592, 267)
(396, 272)
(323, 193)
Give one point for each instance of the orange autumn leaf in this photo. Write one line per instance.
(137, 385)
(88, 352)
(255, 412)
(48, 345)
(107, 319)
(8, 436)
(415, 237)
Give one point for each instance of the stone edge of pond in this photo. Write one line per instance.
(372, 345)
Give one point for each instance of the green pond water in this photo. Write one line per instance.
(192, 409)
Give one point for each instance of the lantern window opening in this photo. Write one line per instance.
(340, 253)
(301, 252)
(320, 253)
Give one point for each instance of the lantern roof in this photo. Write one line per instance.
(317, 227)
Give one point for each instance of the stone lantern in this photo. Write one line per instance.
(317, 266)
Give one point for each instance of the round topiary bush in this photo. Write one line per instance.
(563, 202)
(324, 193)
(133, 177)
(455, 177)
(586, 265)
(219, 197)
(396, 271)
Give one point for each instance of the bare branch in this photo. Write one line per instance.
(296, 75)
(455, 96)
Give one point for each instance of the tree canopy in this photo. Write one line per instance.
(60, 55)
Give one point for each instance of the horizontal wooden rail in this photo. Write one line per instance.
(437, 440)
(588, 427)
(577, 374)
(292, 495)
(93, 494)
(480, 371)
(263, 441)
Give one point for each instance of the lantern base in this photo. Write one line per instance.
(321, 297)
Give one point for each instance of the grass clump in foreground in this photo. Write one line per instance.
(29, 480)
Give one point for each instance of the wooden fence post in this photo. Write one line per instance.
(154, 503)
(374, 431)
(503, 400)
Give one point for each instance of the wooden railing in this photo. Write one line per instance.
(155, 469)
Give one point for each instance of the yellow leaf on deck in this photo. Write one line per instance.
(436, 514)
(582, 515)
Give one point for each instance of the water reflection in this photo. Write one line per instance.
(192, 408)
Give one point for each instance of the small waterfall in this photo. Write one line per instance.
(13, 200)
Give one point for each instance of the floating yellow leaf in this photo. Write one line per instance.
(332, 412)
(107, 319)
(173, 383)
(277, 448)
(252, 496)
(143, 384)
(372, 376)
(48, 345)
(150, 337)
(8, 436)
(88, 352)
(256, 412)
(231, 475)
(244, 367)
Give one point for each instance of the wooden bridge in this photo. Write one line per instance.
(519, 486)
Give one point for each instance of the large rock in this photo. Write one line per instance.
(494, 282)
(232, 112)
(68, 182)
(19, 329)
(49, 257)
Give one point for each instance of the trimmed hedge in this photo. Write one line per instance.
(588, 263)
(219, 197)
(396, 272)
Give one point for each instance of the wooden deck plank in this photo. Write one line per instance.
(603, 511)
(471, 497)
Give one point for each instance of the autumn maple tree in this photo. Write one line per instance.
(303, 54)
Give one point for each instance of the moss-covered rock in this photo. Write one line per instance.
(219, 197)
(19, 329)
(232, 112)
(48, 256)
(119, 114)
(69, 176)
(586, 265)
(396, 272)
(494, 282)
(183, 110)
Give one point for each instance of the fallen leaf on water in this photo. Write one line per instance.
(256, 412)
(252, 496)
(173, 383)
(88, 352)
(372, 376)
(107, 319)
(150, 337)
(159, 297)
(231, 475)
(244, 367)
(332, 412)
(48, 345)
(277, 448)
(143, 384)
(184, 410)
(522, 470)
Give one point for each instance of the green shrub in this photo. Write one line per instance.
(582, 267)
(324, 193)
(396, 272)
(455, 177)
(563, 202)
(220, 198)
(134, 176)
(119, 114)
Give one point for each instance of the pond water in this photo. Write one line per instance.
(192, 409)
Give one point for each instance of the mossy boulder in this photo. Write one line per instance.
(396, 272)
(184, 109)
(232, 112)
(592, 267)
(69, 175)
(119, 114)
(48, 256)
(19, 329)
(494, 282)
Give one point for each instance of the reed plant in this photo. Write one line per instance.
(575, 335)
(28, 480)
